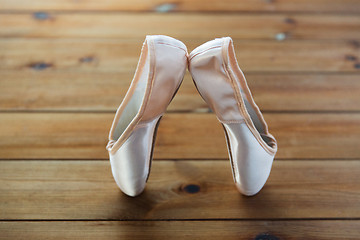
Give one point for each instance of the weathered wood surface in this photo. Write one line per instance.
(177, 190)
(164, 230)
(115, 55)
(315, 6)
(127, 25)
(84, 135)
(83, 91)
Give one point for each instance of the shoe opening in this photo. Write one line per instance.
(250, 105)
(133, 100)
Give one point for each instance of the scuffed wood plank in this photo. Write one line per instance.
(83, 91)
(84, 135)
(110, 55)
(230, 230)
(339, 6)
(86, 190)
(127, 25)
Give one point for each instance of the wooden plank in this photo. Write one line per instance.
(207, 26)
(110, 55)
(74, 91)
(180, 136)
(86, 190)
(339, 6)
(231, 230)
(83, 91)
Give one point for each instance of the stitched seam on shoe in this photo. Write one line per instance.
(203, 51)
(144, 123)
(163, 43)
(239, 100)
(231, 121)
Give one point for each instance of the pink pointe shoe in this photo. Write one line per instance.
(158, 76)
(222, 85)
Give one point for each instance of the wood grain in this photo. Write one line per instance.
(180, 136)
(316, 6)
(206, 26)
(74, 91)
(83, 91)
(231, 230)
(110, 55)
(65, 66)
(86, 190)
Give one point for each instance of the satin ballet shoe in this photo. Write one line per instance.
(159, 73)
(223, 86)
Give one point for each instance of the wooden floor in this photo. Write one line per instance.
(65, 66)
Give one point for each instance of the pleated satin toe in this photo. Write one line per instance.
(223, 86)
(159, 73)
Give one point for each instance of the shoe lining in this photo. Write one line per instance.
(249, 102)
(135, 95)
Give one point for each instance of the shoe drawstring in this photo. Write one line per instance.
(110, 144)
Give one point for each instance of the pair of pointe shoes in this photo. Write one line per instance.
(222, 85)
